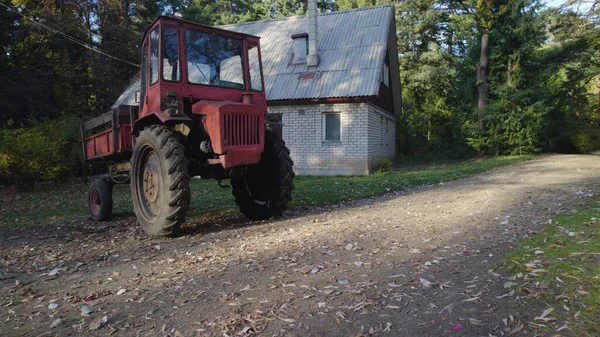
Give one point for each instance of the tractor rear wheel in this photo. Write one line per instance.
(265, 189)
(100, 199)
(160, 185)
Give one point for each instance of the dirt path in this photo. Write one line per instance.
(411, 263)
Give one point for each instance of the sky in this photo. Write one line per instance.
(583, 6)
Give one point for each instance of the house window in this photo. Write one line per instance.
(385, 74)
(300, 48)
(332, 127)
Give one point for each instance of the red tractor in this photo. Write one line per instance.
(202, 108)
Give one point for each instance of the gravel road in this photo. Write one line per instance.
(418, 262)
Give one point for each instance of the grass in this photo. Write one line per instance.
(571, 268)
(51, 202)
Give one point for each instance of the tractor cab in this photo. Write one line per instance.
(191, 72)
(183, 63)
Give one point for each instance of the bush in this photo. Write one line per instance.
(40, 152)
(587, 140)
(385, 165)
(582, 141)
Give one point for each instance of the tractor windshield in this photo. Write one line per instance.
(214, 60)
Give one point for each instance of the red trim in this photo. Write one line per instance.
(319, 100)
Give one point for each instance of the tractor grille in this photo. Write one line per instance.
(241, 129)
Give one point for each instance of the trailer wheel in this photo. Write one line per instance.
(160, 186)
(100, 199)
(265, 189)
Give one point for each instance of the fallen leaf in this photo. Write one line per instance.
(517, 329)
(472, 299)
(475, 321)
(98, 323)
(425, 283)
(57, 322)
(542, 317)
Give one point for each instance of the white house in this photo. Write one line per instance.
(333, 81)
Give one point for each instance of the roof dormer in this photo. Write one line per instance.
(300, 48)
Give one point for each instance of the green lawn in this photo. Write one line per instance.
(566, 275)
(51, 202)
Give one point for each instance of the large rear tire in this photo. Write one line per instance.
(265, 189)
(160, 182)
(100, 199)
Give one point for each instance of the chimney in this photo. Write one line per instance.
(312, 59)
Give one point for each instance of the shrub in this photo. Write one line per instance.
(385, 165)
(582, 141)
(40, 152)
(587, 140)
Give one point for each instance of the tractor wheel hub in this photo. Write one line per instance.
(150, 184)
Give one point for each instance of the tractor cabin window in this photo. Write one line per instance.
(332, 127)
(170, 54)
(154, 56)
(255, 75)
(144, 75)
(214, 60)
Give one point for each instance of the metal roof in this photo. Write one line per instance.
(352, 49)
(128, 96)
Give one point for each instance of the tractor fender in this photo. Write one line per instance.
(159, 118)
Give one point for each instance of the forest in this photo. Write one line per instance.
(479, 77)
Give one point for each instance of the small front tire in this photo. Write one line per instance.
(100, 199)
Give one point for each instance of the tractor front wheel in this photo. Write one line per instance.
(100, 199)
(160, 184)
(265, 189)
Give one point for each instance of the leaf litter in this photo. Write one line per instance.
(359, 270)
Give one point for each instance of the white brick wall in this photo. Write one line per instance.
(358, 150)
(382, 136)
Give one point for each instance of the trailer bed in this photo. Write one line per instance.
(109, 136)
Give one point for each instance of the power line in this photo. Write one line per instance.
(71, 38)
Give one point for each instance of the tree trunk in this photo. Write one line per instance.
(482, 88)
